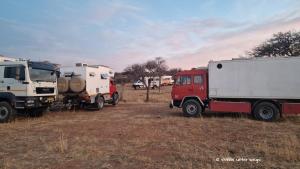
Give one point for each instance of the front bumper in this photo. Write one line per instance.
(33, 102)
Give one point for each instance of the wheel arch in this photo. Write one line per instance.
(8, 97)
(191, 97)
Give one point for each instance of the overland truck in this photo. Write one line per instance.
(26, 87)
(267, 88)
(87, 86)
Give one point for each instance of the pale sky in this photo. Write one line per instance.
(119, 33)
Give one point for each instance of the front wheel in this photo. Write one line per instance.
(266, 111)
(115, 98)
(7, 113)
(191, 108)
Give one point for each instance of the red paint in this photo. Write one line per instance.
(291, 108)
(179, 91)
(224, 106)
(112, 88)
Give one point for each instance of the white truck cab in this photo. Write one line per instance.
(26, 87)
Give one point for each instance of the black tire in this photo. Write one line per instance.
(37, 112)
(266, 111)
(134, 87)
(99, 102)
(192, 108)
(7, 112)
(115, 98)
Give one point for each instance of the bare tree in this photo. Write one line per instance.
(281, 44)
(161, 69)
(151, 72)
(135, 72)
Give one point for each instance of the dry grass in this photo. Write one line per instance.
(147, 135)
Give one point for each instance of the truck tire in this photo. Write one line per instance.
(37, 112)
(77, 84)
(62, 85)
(7, 113)
(191, 108)
(115, 98)
(99, 102)
(266, 111)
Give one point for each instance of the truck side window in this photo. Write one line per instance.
(198, 79)
(178, 79)
(184, 80)
(10, 72)
(15, 72)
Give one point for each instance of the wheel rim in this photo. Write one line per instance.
(3, 112)
(100, 103)
(266, 112)
(191, 109)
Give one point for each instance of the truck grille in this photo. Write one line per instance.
(44, 90)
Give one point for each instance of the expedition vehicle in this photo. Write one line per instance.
(26, 87)
(267, 88)
(87, 86)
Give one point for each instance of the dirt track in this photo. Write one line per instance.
(140, 135)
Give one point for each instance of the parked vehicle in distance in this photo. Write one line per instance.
(88, 86)
(154, 82)
(267, 88)
(138, 84)
(26, 87)
(167, 80)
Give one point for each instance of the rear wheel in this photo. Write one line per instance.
(191, 108)
(266, 111)
(99, 103)
(7, 113)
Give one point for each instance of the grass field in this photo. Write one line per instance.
(135, 134)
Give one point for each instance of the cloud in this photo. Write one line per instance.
(233, 44)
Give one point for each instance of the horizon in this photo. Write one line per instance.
(121, 33)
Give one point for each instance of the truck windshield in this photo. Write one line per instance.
(41, 75)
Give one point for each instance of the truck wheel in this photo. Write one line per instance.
(266, 111)
(115, 98)
(37, 112)
(7, 113)
(99, 102)
(191, 108)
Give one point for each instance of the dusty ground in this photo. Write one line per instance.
(139, 135)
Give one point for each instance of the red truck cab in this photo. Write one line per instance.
(190, 91)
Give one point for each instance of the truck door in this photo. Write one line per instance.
(183, 87)
(12, 81)
(199, 83)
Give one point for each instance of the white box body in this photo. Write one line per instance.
(257, 78)
(97, 77)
